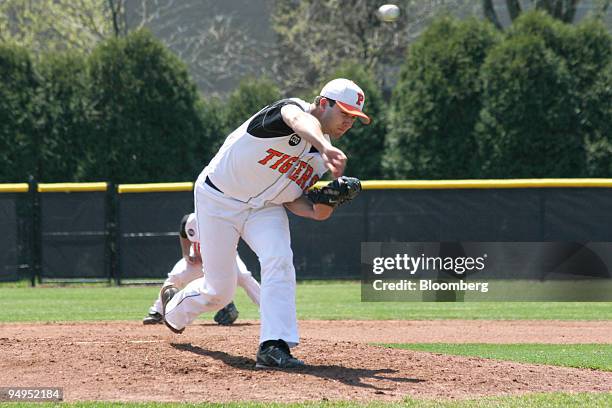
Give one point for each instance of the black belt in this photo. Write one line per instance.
(210, 183)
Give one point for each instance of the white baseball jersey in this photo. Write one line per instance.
(265, 161)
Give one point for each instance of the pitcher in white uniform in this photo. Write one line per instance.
(263, 167)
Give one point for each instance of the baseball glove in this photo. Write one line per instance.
(336, 192)
(227, 315)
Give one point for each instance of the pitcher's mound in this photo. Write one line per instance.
(125, 361)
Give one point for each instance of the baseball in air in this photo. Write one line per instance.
(388, 12)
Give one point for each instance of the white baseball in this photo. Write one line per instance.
(388, 12)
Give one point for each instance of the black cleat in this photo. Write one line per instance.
(166, 294)
(153, 317)
(276, 354)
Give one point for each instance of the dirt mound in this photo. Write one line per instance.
(125, 361)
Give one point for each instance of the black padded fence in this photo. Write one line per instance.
(148, 225)
(9, 237)
(330, 249)
(74, 236)
(134, 235)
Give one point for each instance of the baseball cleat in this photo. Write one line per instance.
(276, 354)
(166, 294)
(154, 317)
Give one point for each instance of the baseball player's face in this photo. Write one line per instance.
(336, 122)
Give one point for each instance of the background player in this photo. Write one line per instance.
(189, 268)
(265, 165)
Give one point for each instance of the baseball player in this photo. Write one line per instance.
(264, 167)
(189, 268)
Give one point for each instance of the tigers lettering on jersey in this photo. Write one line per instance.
(285, 162)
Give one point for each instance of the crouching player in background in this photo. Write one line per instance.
(189, 268)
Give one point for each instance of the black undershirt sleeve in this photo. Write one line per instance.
(269, 122)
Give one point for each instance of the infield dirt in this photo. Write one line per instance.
(126, 361)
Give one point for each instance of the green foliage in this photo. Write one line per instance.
(471, 101)
(248, 98)
(148, 123)
(19, 147)
(437, 100)
(537, 83)
(525, 128)
(55, 25)
(363, 145)
(598, 121)
(65, 116)
(213, 116)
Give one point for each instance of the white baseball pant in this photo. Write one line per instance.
(184, 272)
(222, 221)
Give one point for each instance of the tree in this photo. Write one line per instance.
(363, 145)
(250, 96)
(437, 102)
(19, 144)
(64, 116)
(528, 125)
(563, 10)
(598, 121)
(55, 25)
(149, 121)
(583, 51)
(316, 36)
(219, 41)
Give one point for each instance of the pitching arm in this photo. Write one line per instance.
(308, 127)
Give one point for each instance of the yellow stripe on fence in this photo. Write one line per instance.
(367, 185)
(481, 184)
(154, 187)
(14, 188)
(71, 187)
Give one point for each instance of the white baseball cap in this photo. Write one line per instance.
(349, 97)
(191, 228)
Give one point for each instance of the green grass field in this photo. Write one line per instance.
(594, 356)
(316, 300)
(331, 301)
(579, 400)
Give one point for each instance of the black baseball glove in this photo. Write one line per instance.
(227, 315)
(336, 192)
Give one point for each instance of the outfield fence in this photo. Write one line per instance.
(126, 233)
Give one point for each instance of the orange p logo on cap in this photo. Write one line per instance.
(360, 99)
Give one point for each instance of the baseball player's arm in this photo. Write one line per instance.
(308, 127)
(303, 207)
(186, 251)
(186, 244)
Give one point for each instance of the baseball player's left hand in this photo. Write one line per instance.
(336, 192)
